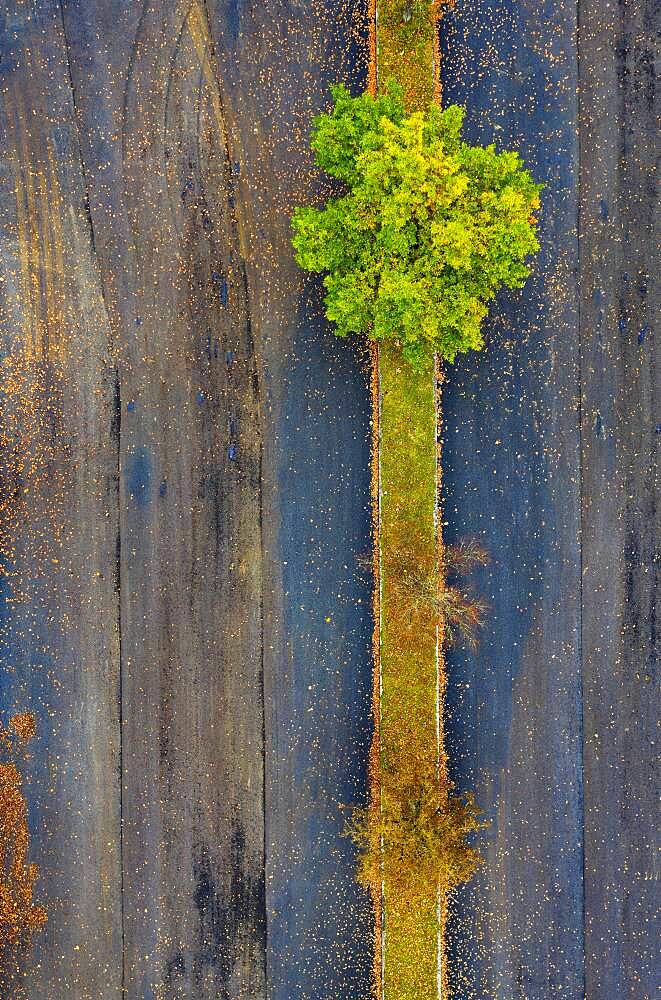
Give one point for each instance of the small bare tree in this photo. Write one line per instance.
(441, 588)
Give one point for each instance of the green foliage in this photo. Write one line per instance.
(428, 231)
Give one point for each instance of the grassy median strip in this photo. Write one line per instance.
(406, 48)
(410, 712)
(409, 748)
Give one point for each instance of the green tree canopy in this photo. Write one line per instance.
(427, 232)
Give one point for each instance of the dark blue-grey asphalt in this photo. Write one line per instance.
(550, 460)
(185, 613)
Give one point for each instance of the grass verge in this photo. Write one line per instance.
(411, 683)
(409, 675)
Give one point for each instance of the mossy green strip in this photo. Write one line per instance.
(408, 650)
(405, 52)
(405, 48)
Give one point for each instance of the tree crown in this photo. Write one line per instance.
(427, 231)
